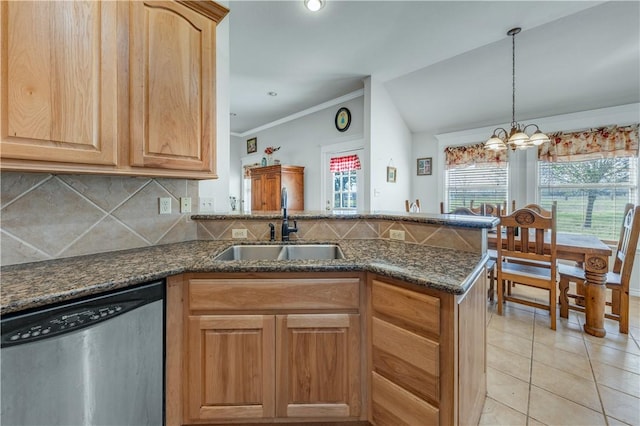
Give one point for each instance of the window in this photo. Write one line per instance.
(477, 185)
(590, 194)
(344, 172)
(476, 175)
(345, 190)
(591, 174)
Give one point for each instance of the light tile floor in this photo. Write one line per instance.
(537, 376)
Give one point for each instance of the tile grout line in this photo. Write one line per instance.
(28, 190)
(533, 337)
(31, 246)
(586, 348)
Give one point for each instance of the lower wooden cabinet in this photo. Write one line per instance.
(428, 354)
(292, 361)
(296, 347)
(231, 362)
(318, 363)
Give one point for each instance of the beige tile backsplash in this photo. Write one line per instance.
(338, 229)
(44, 216)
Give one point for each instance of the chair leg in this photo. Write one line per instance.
(491, 291)
(624, 311)
(500, 294)
(552, 305)
(615, 302)
(564, 299)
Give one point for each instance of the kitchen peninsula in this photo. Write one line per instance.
(393, 332)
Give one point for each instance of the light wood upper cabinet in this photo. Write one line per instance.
(109, 87)
(59, 81)
(172, 65)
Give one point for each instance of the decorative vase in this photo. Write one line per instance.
(269, 159)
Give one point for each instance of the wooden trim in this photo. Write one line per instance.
(448, 360)
(210, 9)
(10, 165)
(174, 327)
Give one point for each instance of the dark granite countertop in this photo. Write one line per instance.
(462, 221)
(38, 284)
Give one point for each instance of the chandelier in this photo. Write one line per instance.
(517, 138)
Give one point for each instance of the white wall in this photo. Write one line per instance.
(219, 188)
(427, 189)
(301, 141)
(390, 144)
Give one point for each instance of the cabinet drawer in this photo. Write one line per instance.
(414, 311)
(392, 405)
(407, 359)
(252, 294)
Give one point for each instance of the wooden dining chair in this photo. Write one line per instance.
(617, 280)
(524, 259)
(494, 209)
(538, 209)
(412, 207)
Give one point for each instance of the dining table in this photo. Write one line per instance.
(593, 254)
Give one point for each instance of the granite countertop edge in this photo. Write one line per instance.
(462, 221)
(27, 286)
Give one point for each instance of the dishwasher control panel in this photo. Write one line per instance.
(66, 322)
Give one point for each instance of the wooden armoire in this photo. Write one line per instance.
(267, 183)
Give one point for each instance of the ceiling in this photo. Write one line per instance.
(445, 64)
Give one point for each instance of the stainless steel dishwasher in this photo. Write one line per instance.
(97, 361)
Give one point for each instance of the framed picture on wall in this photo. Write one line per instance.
(391, 174)
(424, 166)
(252, 145)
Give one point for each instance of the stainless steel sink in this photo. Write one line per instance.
(282, 252)
(250, 252)
(311, 252)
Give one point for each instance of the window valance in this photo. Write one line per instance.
(602, 142)
(345, 163)
(464, 156)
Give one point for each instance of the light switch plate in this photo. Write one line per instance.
(206, 205)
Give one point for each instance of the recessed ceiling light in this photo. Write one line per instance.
(314, 5)
(272, 93)
(233, 114)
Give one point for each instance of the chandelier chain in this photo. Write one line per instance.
(513, 80)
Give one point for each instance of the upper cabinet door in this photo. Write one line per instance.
(172, 64)
(58, 97)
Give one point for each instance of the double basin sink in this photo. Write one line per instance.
(282, 252)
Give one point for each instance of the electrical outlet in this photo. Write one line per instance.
(165, 205)
(238, 233)
(185, 205)
(206, 205)
(395, 234)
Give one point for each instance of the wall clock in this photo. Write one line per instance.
(343, 119)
